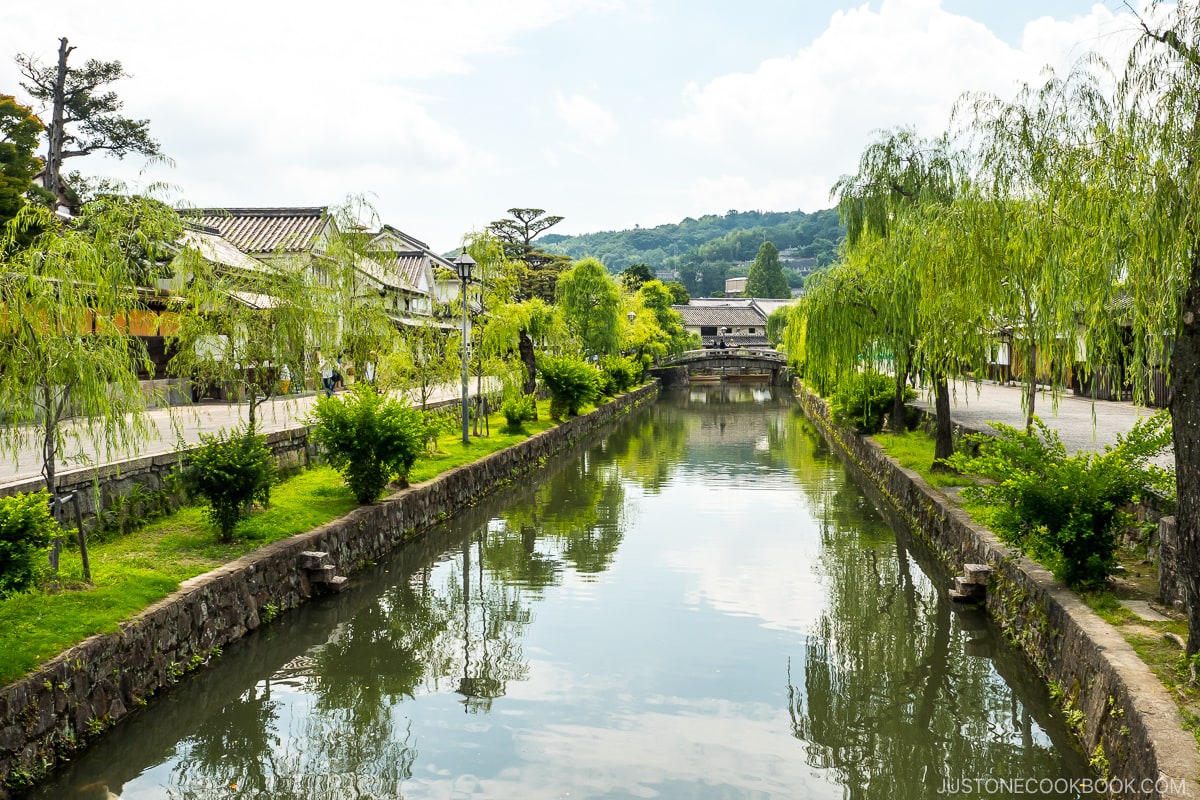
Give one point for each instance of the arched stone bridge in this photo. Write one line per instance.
(723, 364)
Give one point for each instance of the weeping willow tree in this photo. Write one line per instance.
(243, 320)
(879, 303)
(68, 362)
(237, 330)
(1143, 208)
(1024, 255)
(838, 322)
(357, 289)
(525, 327)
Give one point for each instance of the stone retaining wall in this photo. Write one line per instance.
(1128, 718)
(50, 714)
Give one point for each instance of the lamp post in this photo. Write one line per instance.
(463, 266)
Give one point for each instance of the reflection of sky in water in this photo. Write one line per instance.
(665, 674)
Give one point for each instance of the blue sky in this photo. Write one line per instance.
(609, 113)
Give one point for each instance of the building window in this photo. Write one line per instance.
(708, 330)
(750, 330)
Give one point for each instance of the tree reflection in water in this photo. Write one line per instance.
(882, 698)
(891, 702)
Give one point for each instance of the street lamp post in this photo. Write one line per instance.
(463, 266)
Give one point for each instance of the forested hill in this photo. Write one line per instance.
(703, 252)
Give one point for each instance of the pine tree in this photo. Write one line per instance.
(766, 277)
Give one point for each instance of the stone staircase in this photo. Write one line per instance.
(320, 570)
(971, 586)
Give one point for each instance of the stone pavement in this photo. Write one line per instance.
(1081, 424)
(169, 425)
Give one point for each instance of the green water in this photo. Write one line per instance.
(702, 606)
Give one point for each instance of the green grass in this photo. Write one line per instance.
(914, 450)
(136, 570)
(132, 572)
(451, 452)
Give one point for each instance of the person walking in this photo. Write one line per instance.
(326, 367)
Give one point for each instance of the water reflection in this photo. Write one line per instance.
(702, 606)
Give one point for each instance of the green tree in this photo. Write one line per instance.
(633, 276)
(19, 133)
(519, 230)
(590, 304)
(657, 299)
(237, 331)
(903, 187)
(679, 293)
(1021, 261)
(766, 277)
(1146, 212)
(525, 328)
(423, 358)
(539, 275)
(230, 471)
(66, 354)
(369, 438)
(84, 117)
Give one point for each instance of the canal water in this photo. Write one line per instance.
(704, 605)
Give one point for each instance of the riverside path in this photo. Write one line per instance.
(168, 426)
(1081, 423)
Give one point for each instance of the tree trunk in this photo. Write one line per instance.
(49, 457)
(525, 347)
(1031, 389)
(943, 440)
(52, 178)
(1185, 425)
(898, 411)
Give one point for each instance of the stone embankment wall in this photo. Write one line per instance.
(1128, 720)
(48, 715)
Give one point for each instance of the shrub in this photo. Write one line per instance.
(26, 531)
(1064, 511)
(623, 372)
(863, 399)
(440, 423)
(572, 383)
(517, 409)
(229, 471)
(369, 438)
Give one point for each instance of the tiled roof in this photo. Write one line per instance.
(402, 235)
(218, 251)
(265, 230)
(408, 266)
(696, 316)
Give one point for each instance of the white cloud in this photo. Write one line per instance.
(807, 116)
(586, 118)
(451, 112)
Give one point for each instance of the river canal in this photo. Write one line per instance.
(702, 606)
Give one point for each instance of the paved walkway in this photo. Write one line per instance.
(169, 425)
(1081, 424)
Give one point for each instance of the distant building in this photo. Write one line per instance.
(735, 287)
(732, 322)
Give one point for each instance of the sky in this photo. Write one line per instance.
(610, 113)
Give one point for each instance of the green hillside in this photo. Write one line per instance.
(703, 252)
